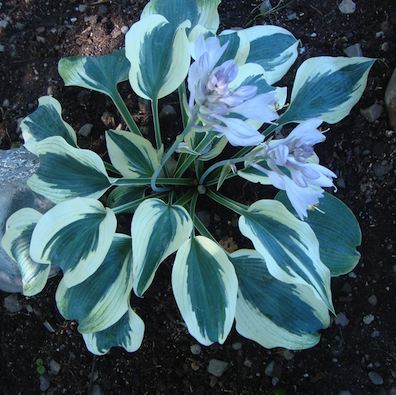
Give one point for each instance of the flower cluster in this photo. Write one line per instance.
(221, 108)
(290, 166)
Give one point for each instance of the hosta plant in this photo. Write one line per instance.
(278, 290)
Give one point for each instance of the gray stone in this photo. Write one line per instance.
(265, 6)
(248, 363)
(3, 23)
(344, 393)
(269, 370)
(2, 48)
(347, 6)
(382, 169)
(390, 100)
(236, 346)
(54, 367)
(291, 16)
(82, 7)
(373, 112)
(217, 367)
(373, 300)
(353, 50)
(96, 390)
(73, 19)
(195, 349)
(124, 29)
(341, 319)
(44, 383)
(288, 355)
(16, 166)
(85, 130)
(11, 304)
(167, 111)
(273, 370)
(19, 26)
(376, 378)
(368, 319)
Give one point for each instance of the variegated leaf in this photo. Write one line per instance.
(123, 195)
(274, 313)
(205, 288)
(238, 46)
(337, 230)
(102, 299)
(127, 332)
(158, 230)
(327, 88)
(288, 245)
(45, 122)
(273, 48)
(201, 13)
(76, 235)
(66, 172)
(16, 243)
(253, 175)
(98, 73)
(159, 53)
(133, 156)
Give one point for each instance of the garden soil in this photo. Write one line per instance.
(357, 354)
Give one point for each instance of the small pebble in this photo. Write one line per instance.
(44, 383)
(3, 23)
(73, 19)
(368, 319)
(375, 378)
(373, 112)
(124, 29)
(288, 355)
(292, 16)
(85, 130)
(248, 363)
(269, 370)
(217, 367)
(54, 367)
(96, 390)
(6, 103)
(82, 7)
(344, 393)
(2, 48)
(372, 300)
(236, 346)
(167, 111)
(12, 304)
(347, 6)
(195, 349)
(265, 6)
(354, 50)
(385, 47)
(341, 319)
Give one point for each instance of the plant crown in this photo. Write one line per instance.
(278, 291)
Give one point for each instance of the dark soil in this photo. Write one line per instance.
(38, 34)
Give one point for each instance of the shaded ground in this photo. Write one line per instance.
(362, 153)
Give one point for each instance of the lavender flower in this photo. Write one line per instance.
(289, 166)
(221, 108)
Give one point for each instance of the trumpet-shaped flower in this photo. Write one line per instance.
(289, 166)
(221, 108)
